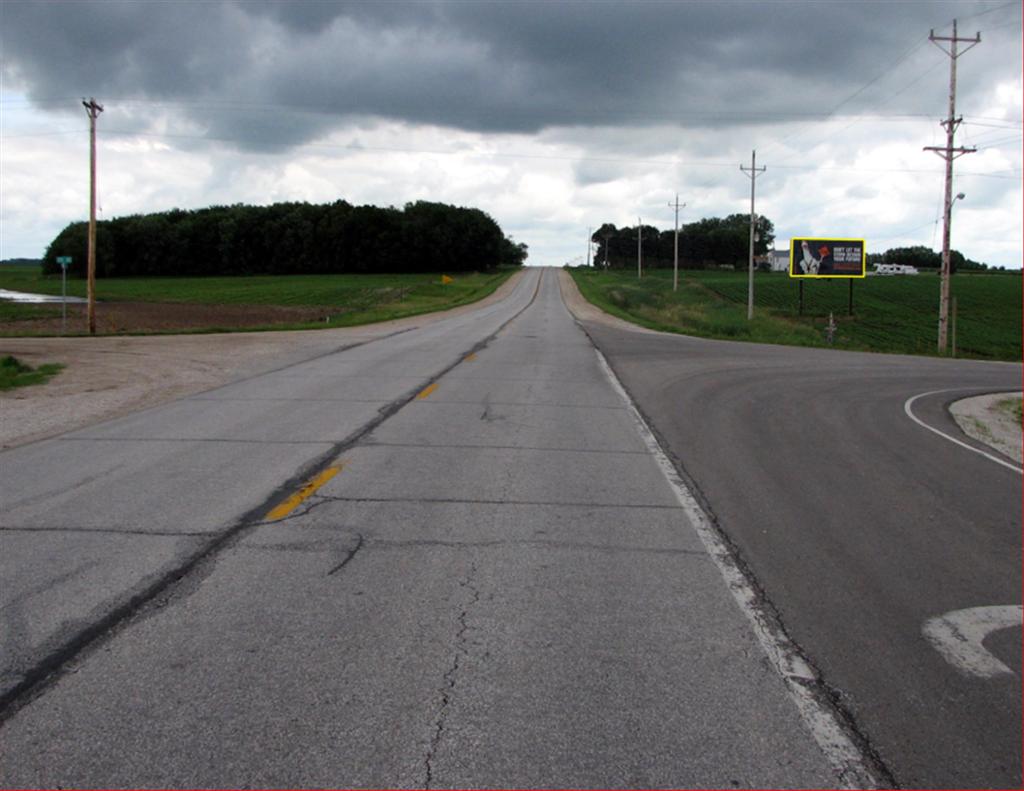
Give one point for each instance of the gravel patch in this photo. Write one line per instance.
(984, 419)
(586, 311)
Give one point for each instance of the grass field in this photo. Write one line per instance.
(891, 314)
(348, 299)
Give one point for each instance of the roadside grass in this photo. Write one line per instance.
(18, 311)
(14, 373)
(891, 314)
(1014, 407)
(348, 300)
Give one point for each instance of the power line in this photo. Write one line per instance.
(514, 155)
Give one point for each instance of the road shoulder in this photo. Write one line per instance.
(981, 418)
(113, 376)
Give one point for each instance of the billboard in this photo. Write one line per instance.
(826, 258)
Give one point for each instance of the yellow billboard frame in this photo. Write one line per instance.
(863, 258)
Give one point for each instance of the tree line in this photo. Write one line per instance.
(725, 241)
(925, 258)
(712, 241)
(290, 238)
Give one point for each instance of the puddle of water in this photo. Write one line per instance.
(35, 299)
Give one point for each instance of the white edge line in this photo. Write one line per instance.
(916, 419)
(852, 767)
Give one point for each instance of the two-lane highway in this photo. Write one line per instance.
(489, 583)
(454, 557)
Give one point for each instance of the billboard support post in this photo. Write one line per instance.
(800, 306)
(849, 310)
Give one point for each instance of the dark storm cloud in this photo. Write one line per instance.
(271, 75)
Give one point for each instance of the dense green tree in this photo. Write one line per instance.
(291, 238)
(712, 241)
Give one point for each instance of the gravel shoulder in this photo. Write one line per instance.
(111, 376)
(983, 419)
(585, 311)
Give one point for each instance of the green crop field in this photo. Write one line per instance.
(891, 314)
(349, 299)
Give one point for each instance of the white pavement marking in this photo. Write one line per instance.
(916, 419)
(851, 765)
(957, 635)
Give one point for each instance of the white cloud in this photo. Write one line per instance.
(485, 118)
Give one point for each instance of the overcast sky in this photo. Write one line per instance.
(551, 116)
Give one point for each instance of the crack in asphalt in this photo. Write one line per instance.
(351, 554)
(195, 564)
(450, 676)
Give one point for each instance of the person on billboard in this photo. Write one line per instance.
(815, 266)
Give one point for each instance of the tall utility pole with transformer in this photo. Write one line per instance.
(949, 153)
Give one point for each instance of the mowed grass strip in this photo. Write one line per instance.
(891, 314)
(348, 299)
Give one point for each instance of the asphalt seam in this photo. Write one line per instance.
(120, 531)
(37, 678)
(369, 542)
(199, 440)
(530, 448)
(469, 501)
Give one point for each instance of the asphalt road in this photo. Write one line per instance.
(498, 586)
(496, 581)
(859, 525)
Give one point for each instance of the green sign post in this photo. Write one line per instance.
(65, 262)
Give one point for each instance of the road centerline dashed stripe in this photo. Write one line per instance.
(427, 390)
(283, 509)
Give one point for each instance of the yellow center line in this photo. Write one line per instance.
(470, 356)
(293, 502)
(427, 390)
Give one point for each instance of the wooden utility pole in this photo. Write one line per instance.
(639, 248)
(93, 110)
(607, 240)
(751, 173)
(949, 154)
(675, 248)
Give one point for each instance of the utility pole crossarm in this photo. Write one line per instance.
(954, 40)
